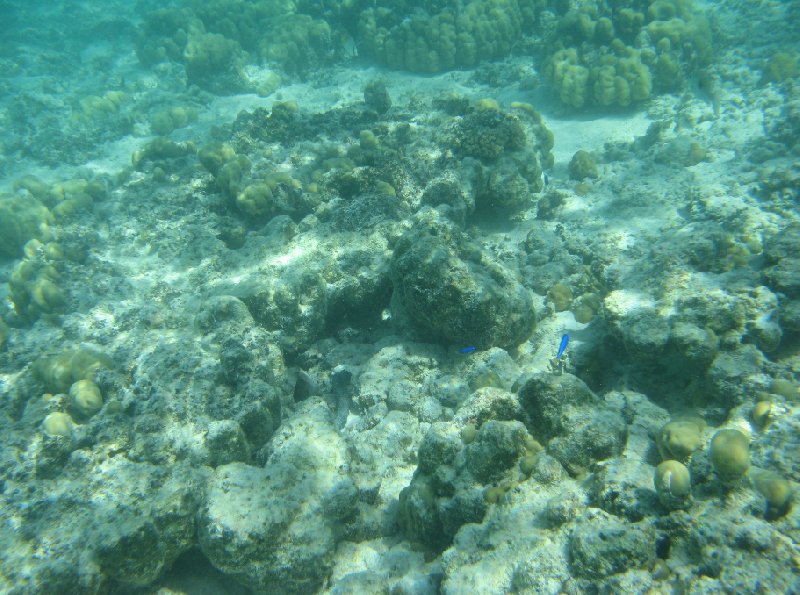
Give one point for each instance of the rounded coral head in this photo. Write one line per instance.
(730, 454)
(673, 484)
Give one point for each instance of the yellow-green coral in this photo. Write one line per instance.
(781, 66)
(616, 58)
(34, 289)
(776, 490)
(582, 166)
(21, 219)
(58, 424)
(680, 437)
(561, 297)
(251, 192)
(255, 199)
(85, 397)
(673, 484)
(214, 40)
(167, 120)
(160, 150)
(730, 455)
(459, 35)
(94, 106)
(57, 373)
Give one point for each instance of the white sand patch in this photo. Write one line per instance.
(592, 135)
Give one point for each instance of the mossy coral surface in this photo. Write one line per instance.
(215, 40)
(617, 56)
(447, 35)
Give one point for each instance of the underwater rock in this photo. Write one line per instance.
(509, 185)
(453, 293)
(134, 521)
(294, 303)
(455, 482)
(449, 197)
(489, 403)
(734, 375)
(576, 427)
(376, 97)
(497, 446)
(135, 554)
(582, 166)
(643, 330)
(270, 527)
(226, 443)
(601, 549)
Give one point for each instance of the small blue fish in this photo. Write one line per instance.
(563, 347)
(466, 349)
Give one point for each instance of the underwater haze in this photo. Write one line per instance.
(355, 297)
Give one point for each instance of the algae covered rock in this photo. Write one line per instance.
(295, 303)
(576, 427)
(226, 443)
(275, 528)
(134, 554)
(643, 329)
(733, 375)
(512, 148)
(582, 166)
(488, 133)
(601, 549)
(452, 292)
(132, 520)
(4, 332)
(460, 473)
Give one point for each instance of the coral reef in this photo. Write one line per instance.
(615, 57)
(453, 34)
(295, 327)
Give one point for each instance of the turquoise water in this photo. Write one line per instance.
(468, 296)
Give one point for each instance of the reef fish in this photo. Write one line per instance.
(466, 349)
(563, 346)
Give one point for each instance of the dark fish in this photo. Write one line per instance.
(563, 347)
(466, 350)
